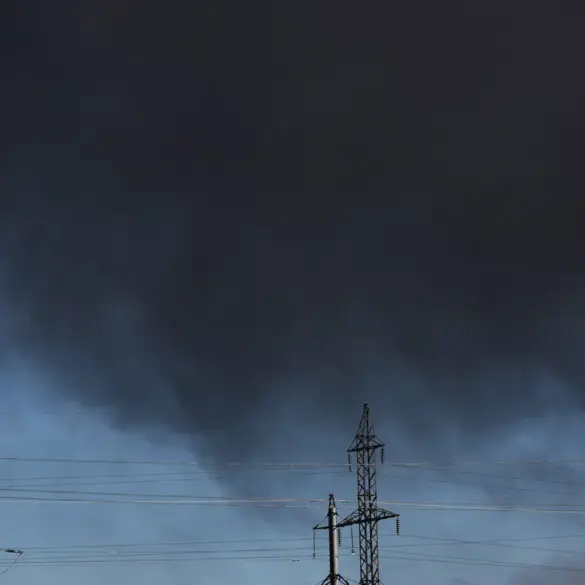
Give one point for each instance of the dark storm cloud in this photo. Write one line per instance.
(208, 207)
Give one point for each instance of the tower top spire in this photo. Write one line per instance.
(365, 437)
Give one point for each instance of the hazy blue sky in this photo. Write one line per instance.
(35, 425)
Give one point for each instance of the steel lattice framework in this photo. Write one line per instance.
(365, 446)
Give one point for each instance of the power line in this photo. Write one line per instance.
(191, 476)
(160, 499)
(182, 556)
(451, 481)
(434, 540)
(207, 466)
(187, 477)
(293, 465)
(11, 551)
(279, 554)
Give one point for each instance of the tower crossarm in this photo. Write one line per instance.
(381, 514)
(376, 515)
(354, 518)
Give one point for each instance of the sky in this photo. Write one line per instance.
(224, 226)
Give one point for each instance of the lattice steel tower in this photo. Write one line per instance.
(365, 445)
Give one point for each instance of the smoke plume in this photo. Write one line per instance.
(214, 217)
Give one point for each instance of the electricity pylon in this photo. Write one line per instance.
(367, 514)
(334, 578)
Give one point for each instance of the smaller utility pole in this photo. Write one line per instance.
(334, 578)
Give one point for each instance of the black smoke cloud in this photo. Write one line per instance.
(212, 209)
